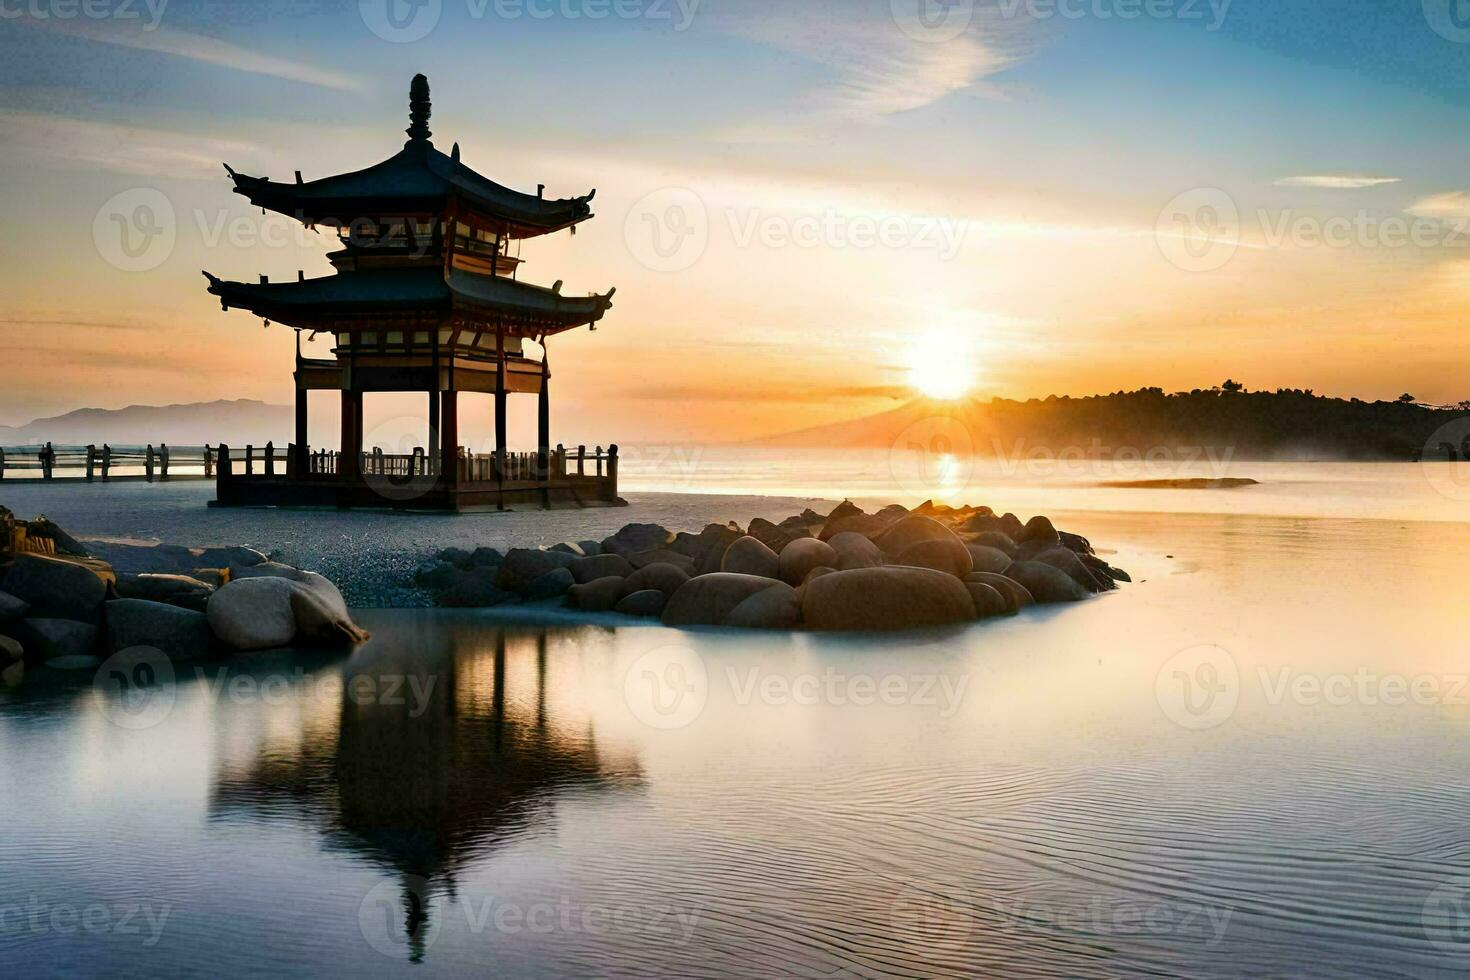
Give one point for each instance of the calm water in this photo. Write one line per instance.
(1249, 763)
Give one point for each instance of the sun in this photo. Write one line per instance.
(940, 366)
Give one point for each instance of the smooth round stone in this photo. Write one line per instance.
(750, 556)
(948, 555)
(855, 551)
(894, 597)
(912, 530)
(1046, 583)
(706, 600)
(660, 576)
(774, 608)
(645, 602)
(1016, 596)
(253, 613)
(988, 601)
(986, 559)
(599, 595)
(801, 556)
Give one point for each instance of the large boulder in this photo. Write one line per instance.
(912, 530)
(474, 589)
(602, 566)
(182, 634)
(799, 557)
(845, 510)
(321, 613)
(160, 587)
(554, 583)
(645, 602)
(522, 566)
(48, 640)
(714, 538)
(892, 513)
(1039, 530)
(486, 557)
(266, 569)
(988, 600)
(948, 555)
(1067, 561)
(868, 525)
(665, 556)
(749, 556)
(895, 597)
(660, 576)
(987, 559)
(775, 608)
(12, 607)
(456, 556)
(707, 600)
(1046, 583)
(12, 662)
(855, 551)
(254, 613)
(1075, 542)
(228, 557)
(998, 540)
(58, 589)
(1015, 594)
(774, 536)
(438, 574)
(634, 538)
(599, 595)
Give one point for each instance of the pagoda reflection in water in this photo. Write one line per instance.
(441, 752)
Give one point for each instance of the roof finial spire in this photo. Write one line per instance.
(418, 110)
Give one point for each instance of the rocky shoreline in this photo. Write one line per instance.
(64, 609)
(848, 570)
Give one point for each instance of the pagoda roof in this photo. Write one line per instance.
(318, 304)
(419, 179)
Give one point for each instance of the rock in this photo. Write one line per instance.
(707, 600)
(10, 650)
(659, 576)
(1067, 561)
(998, 540)
(773, 608)
(46, 639)
(266, 569)
(475, 589)
(43, 526)
(774, 536)
(1011, 526)
(868, 525)
(486, 557)
(749, 556)
(1075, 542)
(77, 662)
(590, 569)
(985, 559)
(1118, 574)
(12, 608)
(158, 587)
(634, 538)
(949, 555)
(799, 557)
(988, 601)
(554, 583)
(894, 597)
(149, 558)
(590, 548)
(645, 602)
(12, 662)
(714, 538)
(808, 518)
(1046, 583)
(845, 510)
(456, 556)
(912, 530)
(321, 613)
(569, 548)
(182, 634)
(817, 572)
(226, 557)
(438, 574)
(598, 595)
(892, 513)
(855, 551)
(663, 556)
(1016, 595)
(57, 588)
(212, 577)
(522, 566)
(254, 613)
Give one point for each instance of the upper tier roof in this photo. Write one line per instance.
(418, 180)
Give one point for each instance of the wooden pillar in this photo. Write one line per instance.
(449, 437)
(500, 395)
(543, 418)
(436, 443)
(349, 466)
(300, 462)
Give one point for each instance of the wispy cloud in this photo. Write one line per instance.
(1336, 182)
(196, 47)
(120, 149)
(1449, 205)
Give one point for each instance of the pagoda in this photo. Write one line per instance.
(425, 298)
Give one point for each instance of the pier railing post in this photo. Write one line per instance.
(163, 458)
(226, 466)
(270, 458)
(148, 464)
(249, 459)
(612, 471)
(106, 460)
(2, 462)
(91, 462)
(208, 461)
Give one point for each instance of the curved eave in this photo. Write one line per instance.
(317, 303)
(419, 180)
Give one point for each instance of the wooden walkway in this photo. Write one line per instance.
(106, 464)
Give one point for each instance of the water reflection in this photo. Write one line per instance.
(444, 748)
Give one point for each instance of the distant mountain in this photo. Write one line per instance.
(234, 422)
(1282, 424)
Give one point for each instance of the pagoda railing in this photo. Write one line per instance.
(107, 463)
(559, 465)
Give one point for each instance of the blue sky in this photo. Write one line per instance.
(1050, 146)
